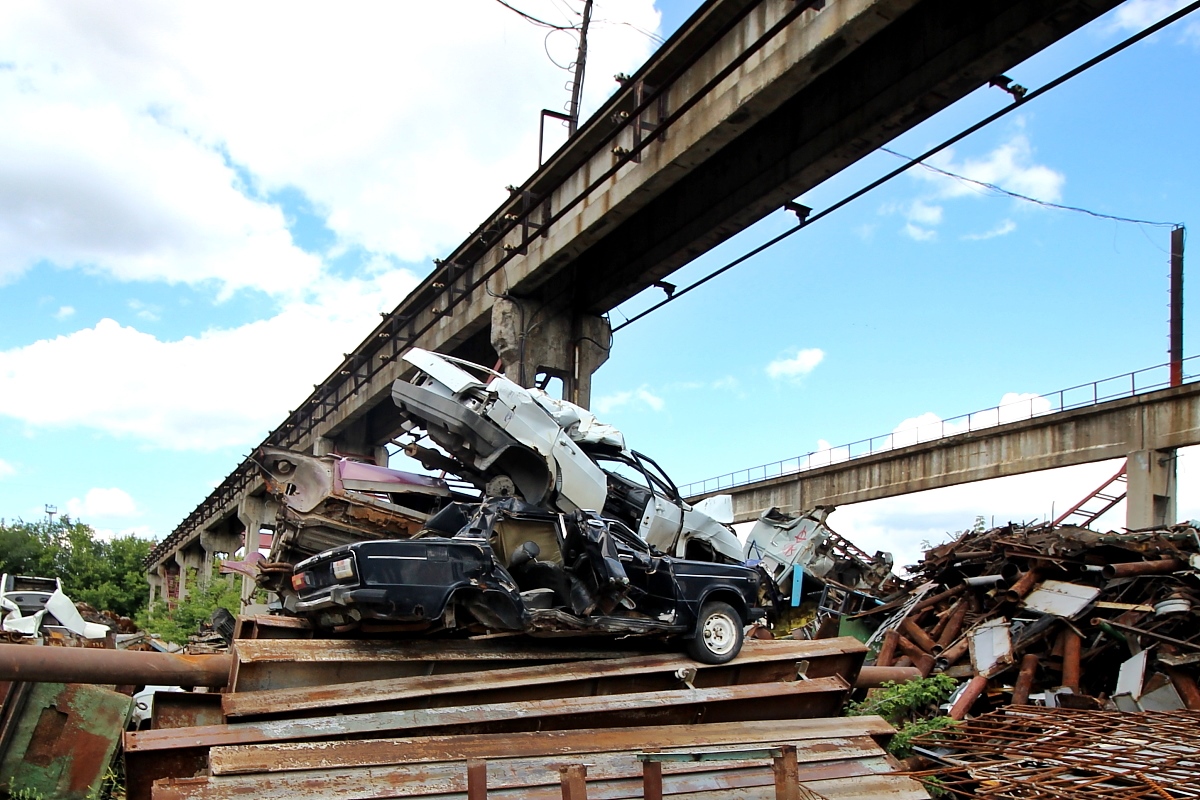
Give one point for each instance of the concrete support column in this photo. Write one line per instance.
(256, 513)
(1150, 501)
(352, 441)
(570, 347)
(222, 540)
(189, 557)
(157, 584)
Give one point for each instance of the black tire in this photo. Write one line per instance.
(718, 636)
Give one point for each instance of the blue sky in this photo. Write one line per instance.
(197, 219)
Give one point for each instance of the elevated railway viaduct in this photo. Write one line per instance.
(750, 104)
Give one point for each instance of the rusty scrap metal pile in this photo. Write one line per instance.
(1062, 615)
(514, 719)
(1070, 753)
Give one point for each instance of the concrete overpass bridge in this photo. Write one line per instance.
(1143, 427)
(750, 104)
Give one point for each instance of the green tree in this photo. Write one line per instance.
(175, 621)
(107, 575)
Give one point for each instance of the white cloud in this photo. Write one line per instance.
(639, 396)
(168, 392)
(797, 366)
(101, 503)
(1010, 166)
(139, 139)
(1134, 15)
(64, 312)
(144, 311)
(1003, 229)
(924, 214)
(131, 198)
(6, 469)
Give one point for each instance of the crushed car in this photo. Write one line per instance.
(507, 565)
(329, 500)
(32, 605)
(507, 440)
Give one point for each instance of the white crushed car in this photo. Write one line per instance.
(511, 441)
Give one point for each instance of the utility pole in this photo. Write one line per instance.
(577, 75)
(1176, 342)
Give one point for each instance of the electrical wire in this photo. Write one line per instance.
(654, 37)
(1017, 103)
(546, 48)
(1046, 203)
(536, 21)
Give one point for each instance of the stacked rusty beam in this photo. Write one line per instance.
(1035, 752)
(364, 715)
(1058, 615)
(837, 758)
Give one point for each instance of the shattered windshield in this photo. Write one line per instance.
(638, 469)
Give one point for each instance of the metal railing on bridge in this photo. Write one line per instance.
(928, 427)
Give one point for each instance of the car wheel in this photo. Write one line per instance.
(718, 634)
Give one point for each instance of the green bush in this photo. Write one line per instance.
(911, 707)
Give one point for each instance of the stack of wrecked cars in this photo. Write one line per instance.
(552, 527)
(543, 522)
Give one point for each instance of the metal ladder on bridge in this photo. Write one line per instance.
(1096, 504)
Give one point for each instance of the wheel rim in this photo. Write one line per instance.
(719, 634)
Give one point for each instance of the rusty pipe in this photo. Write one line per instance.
(968, 697)
(22, 662)
(937, 598)
(954, 624)
(1127, 570)
(919, 637)
(887, 650)
(1024, 685)
(956, 651)
(1016, 593)
(920, 659)
(874, 677)
(1072, 648)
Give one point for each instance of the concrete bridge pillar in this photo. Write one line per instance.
(570, 347)
(1150, 501)
(352, 441)
(158, 584)
(188, 557)
(222, 540)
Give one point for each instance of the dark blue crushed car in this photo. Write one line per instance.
(505, 565)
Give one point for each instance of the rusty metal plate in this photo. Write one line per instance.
(64, 739)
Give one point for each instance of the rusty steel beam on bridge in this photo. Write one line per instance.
(1159, 420)
(751, 103)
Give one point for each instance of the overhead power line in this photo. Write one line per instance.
(1019, 101)
(535, 20)
(1017, 195)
